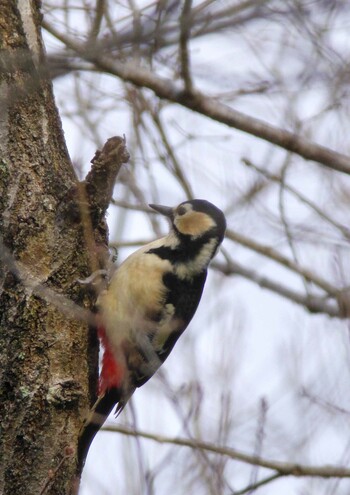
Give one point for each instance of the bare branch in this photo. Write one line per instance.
(185, 32)
(282, 468)
(314, 304)
(99, 13)
(210, 107)
(271, 253)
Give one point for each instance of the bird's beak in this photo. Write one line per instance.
(163, 210)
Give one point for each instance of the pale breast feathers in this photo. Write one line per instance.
(135, 296)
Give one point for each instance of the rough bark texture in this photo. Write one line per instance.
(48, 359)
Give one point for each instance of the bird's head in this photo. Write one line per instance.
(195, 219)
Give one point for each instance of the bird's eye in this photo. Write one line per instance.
(181, 210)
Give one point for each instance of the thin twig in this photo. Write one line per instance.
(129, 206)
(260, 434)
(258, 484)
(284, 221)
(170, 150)
(137, 28)
(321, 213)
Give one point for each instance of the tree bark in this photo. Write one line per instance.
(48, 358)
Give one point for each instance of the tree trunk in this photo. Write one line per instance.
(48, 364)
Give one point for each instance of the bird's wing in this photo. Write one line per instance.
(184, 296)
(180, 305)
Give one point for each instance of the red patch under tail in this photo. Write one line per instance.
(112, 373)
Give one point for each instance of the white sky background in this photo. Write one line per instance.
(244, 343)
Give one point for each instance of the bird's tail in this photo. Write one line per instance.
(97, 416)
(112, 392)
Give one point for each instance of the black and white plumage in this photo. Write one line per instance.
(149, 302)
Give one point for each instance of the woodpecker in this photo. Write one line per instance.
(150, 300)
